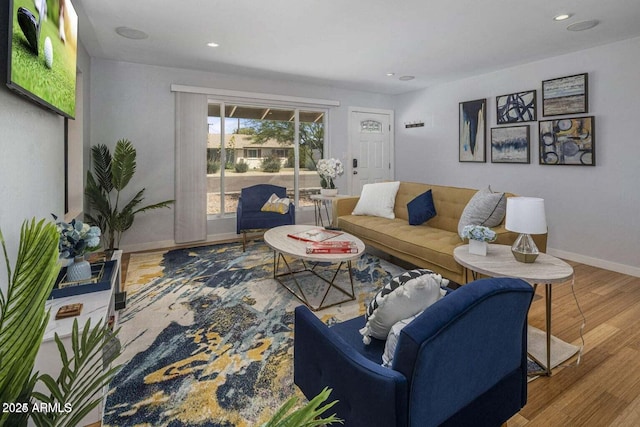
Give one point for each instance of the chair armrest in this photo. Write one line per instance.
(368, 394)
(292, 213)
(238, 215)
(345, 205)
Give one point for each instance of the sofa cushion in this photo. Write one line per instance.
(405, 295)
(485, 208)
(418, 243)
(421, 209)
(378, 199)
(276, 204)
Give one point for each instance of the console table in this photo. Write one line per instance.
(96, 306)
(499, 262)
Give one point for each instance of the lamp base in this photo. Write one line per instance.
(524, 249)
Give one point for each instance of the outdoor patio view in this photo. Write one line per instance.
(259, 148)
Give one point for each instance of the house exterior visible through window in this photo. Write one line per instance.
(254, 144)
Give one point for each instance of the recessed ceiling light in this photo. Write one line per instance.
(561, 17)
(407, 78)
(213, 44)
(584, 25)
(391, 74)
(131, 33)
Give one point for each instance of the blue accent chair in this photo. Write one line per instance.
(250, 217)
(462, 362)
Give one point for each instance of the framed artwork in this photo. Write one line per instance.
(510, 144)
(471, 131)
(565, 95)
(516, 107)
(569, 141)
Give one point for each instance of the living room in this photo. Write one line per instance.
(591, 211)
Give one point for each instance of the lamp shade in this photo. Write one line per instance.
(526, 215)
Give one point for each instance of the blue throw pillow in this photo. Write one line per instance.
(421, 209)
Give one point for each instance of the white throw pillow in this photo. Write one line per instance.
(404, 295)
(485, 208)
(392, 340)
(378, 199)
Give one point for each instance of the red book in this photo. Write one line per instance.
(335, 250)
(333, 247)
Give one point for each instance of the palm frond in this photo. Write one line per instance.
(307, 416)
(23, 318)
(124, 164)
(102, 166)
(82, 375)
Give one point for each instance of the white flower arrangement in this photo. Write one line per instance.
(479, 232)
(328, 169)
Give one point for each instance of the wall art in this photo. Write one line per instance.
(568, 141)
(471, 131)
(516, 107)
(565, 95)
(510, 144)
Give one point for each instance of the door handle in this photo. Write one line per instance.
(355, 172)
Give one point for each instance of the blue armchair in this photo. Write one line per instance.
(250, 217)
(462, 362)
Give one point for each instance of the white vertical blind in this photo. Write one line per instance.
(191, 168)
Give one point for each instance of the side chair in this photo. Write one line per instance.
(250, 217)
(462, 362)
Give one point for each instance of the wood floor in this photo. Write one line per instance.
(604, 389)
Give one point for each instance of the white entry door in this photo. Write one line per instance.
(370, 147)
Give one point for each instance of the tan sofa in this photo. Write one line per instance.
(429, 245)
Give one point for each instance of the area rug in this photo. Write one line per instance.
(208, 336)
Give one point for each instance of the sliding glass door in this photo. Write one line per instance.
(255, 144)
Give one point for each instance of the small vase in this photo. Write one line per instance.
(478, 247)
(79, 270)
(329, 192)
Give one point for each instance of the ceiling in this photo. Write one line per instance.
(350, 44)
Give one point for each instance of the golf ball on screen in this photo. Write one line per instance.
(48, 52)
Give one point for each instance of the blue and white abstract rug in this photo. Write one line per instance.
(208, 336)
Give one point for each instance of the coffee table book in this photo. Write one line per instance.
(314, 235)
(332, 247)
(100, 281)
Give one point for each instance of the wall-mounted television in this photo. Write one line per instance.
(43, 45)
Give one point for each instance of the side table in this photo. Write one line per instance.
(499, 262)
(321, 203)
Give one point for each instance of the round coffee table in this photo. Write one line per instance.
(287, 249)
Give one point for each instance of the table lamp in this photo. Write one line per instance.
(525, 215)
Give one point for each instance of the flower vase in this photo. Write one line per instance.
(329, 192)
(478, 247)
(78, 270)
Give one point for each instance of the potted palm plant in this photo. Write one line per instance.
(103, 191)
(23, 321)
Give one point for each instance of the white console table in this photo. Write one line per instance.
(96, 306)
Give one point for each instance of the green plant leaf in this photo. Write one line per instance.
(123, 164)
(102, 166)
(23, 318)
(308, 415)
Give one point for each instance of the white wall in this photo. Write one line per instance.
(593, 212)
(134, 101)
(31, 163)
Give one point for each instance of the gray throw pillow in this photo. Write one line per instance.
(485, 208)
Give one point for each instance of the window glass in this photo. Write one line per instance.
(259, 147)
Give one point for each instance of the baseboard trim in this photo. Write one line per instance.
(596, 262)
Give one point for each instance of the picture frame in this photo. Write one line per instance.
(568, 141)
(516, 107)
(510, 144)
(565, 95)
(471, 131)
